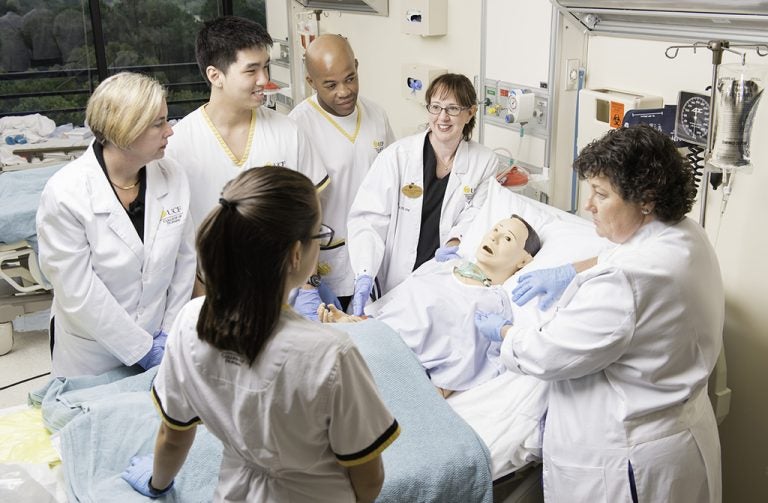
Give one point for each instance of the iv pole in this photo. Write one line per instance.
(717, 47)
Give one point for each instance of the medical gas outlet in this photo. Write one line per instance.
(415, 80)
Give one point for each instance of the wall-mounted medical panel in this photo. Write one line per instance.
(416, 78)
(516, 107)
(427, 18)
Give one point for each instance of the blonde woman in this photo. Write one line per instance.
(116, 241)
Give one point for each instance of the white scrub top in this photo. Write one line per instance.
(628, 353)
(291, 422)
(434, 313)
(385, 219)
(201, 152)
(111, 291)
(347, 146)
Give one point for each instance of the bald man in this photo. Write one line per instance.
(347, 131)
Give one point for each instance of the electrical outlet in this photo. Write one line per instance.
(572, 74)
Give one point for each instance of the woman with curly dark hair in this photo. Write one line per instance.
(633, 339)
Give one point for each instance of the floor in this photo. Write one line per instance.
(28, 364)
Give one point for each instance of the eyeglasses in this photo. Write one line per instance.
(452, 110)
(325, 236)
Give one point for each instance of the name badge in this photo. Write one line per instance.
(469, 193)
(412, 190)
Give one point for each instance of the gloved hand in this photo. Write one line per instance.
(327, 295)
(155, 354)
(490, 325)
(306, 303)
(363, 286)
(445, 253)
(549, 283)
(139, 475)
(160, 337)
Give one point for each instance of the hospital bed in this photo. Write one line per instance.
(461, 449)
(23, 288)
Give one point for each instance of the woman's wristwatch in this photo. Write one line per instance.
(314, 280)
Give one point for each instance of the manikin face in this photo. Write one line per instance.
(335, 80)
(614, 218)
(503, 247)
(243, 82)
(446, 128)
(150, 145)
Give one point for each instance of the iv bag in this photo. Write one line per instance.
(737, 94)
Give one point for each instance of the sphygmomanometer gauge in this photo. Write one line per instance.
(692, 124)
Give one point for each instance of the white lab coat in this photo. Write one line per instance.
(111, 291)
(384, 224)
(628, 354)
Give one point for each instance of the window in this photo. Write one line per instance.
(53, 55)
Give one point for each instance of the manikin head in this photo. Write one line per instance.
(506, 248)
(332, 73)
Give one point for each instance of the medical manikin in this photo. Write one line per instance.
(433, 310)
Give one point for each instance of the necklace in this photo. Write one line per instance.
(470, 270)
(127, 187)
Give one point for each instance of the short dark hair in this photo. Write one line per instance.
(533, 243)
(244, 248)
(644, 167)
(219, 40)
(464, 91)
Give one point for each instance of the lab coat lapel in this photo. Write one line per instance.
(106, 205)
(455, 188)
(157, 189)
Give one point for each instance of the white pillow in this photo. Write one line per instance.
(564, 237)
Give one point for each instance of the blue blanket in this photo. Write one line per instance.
(19, 196)
(104, 420)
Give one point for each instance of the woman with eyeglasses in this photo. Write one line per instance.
(421, 193)
(291, 400)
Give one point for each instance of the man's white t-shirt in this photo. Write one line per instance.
(347, 146)
(199, 149)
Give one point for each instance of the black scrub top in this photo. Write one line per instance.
(135, 210)
(432, 204)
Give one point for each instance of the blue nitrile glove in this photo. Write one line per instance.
(445, 253)
(306, 303)
(160, 337)
(155, 354)
(139, 474)
(490, 324)
(549, 283)
(327, 295)
(363, 286)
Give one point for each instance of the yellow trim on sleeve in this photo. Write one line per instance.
(373, 454)
(323, 184)
(169, 421)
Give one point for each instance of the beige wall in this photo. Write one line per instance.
(381, 49)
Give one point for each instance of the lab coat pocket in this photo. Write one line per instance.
(165, 248)
(564, 482)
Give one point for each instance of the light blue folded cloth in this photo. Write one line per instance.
(62, 399)
(19, 197)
